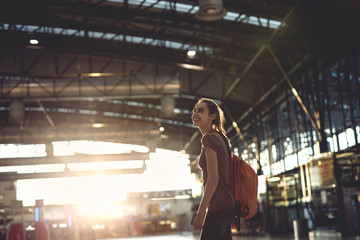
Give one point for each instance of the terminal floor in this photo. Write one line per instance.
(189, 236)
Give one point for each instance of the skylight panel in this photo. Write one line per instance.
(90, 112)
(231, 16)
(161, 4)
(70, 31)
(57, 30)
(4, 26)
(263, 21)
(119, 37)
(186, 46)
(135, 39)
(96, 34)
(109, 36)
(19, 150)
(149, 41)
(175, 45)
(31, 28)
(253, 20)
(275, 24)
(63, 110)
(145, 3)
(136, 117)
(180, 7)
(185, 8)
(110, 114)
(80, 33)
(137, 104)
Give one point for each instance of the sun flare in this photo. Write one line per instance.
(165, 170)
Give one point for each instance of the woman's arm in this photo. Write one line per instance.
(211, 184)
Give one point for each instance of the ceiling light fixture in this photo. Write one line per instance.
(34, 41)
(98, 125)
(210, 10)
(191, 53)
(191, 66)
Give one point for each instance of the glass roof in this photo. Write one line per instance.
(161, 4)
(187, 8)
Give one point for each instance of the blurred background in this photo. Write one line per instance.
(96, 139)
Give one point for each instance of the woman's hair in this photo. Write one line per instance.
(218, 122)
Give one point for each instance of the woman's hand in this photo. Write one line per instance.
(198, 221)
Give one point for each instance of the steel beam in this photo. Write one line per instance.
(239, 132)
(51, 122)
(74, 159)
(294, 91)
(18, 176)
(351, 92)
(76, 132)
(258, 53)
(71, 77)
(248, 66)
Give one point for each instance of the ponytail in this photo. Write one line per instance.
(218, 122)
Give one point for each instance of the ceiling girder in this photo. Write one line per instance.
(32, 135)
(74, 159)
(63, 65)
(236, 82)
(11, 176)
(42, 80)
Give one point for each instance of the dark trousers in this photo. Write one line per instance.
(217, 225)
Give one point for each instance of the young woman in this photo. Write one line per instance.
(217, 207)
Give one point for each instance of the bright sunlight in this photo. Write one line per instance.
(165, 170)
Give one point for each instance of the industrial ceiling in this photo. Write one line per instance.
(119, 70)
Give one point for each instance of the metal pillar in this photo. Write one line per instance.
(341, 98)
(327, 96)
(350, 94)
(318, 101)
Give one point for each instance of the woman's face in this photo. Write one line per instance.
(200, 115)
